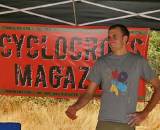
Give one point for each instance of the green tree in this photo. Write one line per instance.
(154, 51)
(153, 58)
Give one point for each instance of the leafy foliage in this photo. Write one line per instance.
(153, 58)
(154, 51)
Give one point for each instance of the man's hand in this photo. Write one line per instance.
(136, 118)
(71, 112)
(82, 101)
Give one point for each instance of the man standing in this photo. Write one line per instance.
(118, 73)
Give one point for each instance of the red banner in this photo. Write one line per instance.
(45, 60)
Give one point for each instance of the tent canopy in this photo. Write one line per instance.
(132, 13)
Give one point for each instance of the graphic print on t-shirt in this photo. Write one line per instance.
(118, 83)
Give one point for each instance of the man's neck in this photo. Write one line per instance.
(120, 52)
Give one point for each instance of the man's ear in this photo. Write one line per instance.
(125, 39)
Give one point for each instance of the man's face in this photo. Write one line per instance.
(116, 39)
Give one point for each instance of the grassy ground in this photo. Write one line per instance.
(37, 113)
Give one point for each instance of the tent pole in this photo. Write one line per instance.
(74, 11)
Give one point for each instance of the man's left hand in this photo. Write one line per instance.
(136, 118)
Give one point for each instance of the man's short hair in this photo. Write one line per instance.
(122, 28)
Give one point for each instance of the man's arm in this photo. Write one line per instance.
(138, 117)
(82, 101)
(155, 97)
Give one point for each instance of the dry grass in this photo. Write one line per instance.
(37, 113)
